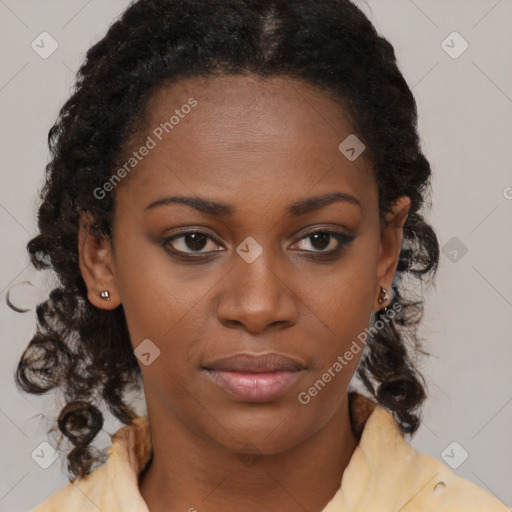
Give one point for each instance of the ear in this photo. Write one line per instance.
(390, 246)
(97, 265)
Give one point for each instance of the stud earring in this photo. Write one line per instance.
(383, 296)
(105, 294)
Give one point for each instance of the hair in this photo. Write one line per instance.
(85, 352)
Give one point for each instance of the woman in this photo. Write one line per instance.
(232, 208)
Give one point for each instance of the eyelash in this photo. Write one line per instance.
(344, 240)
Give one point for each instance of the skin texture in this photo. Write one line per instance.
(258, 145)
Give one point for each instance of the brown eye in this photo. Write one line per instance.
(190, 242)
(321, 240)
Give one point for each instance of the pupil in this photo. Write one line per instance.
(195, 241)
(323, 237)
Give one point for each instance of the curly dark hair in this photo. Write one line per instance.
(85, 352)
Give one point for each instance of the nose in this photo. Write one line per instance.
(257, 296)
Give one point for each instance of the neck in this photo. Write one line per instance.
(188, 472)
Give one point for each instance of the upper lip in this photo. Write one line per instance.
(253, 362)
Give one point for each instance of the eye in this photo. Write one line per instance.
(196, 241)
(321, 240)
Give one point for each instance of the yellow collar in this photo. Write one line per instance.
(384, 474)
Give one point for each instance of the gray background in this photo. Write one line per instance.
(465, 106)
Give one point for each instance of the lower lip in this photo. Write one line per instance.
(254, 387)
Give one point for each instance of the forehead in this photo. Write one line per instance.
(243, 136)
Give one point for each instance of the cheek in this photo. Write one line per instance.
(344, 303)
(157, 295)
(346, 310)
(165, 304)
(346, 298)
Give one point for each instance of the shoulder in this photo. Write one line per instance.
(387, 473)
(83, 494)
(434, 486)
(112, 485)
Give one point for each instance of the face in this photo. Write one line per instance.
(252, 262)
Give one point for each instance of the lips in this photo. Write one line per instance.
(255, 377)
(257, 363)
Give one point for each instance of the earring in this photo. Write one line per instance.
(105, 294)
(383, 296)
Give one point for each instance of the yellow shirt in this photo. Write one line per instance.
(384, 474)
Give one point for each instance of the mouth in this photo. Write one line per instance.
(255, 377)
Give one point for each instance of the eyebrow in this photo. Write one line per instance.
(296, 209)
